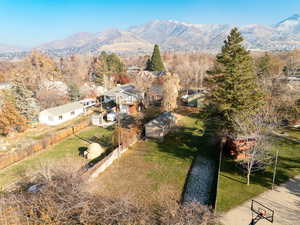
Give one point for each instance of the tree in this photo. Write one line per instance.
(235, 89)
(106, 65)
(121, 78)
(263, 67)
(51, 97)
(26, 104)
(35, 68)
(258, 127)
(156, 63)
(75, 69)
(60, 199)
(148, 65)
(11, 119)
(170, 92)
(74, 93)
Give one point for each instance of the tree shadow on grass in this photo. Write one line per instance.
(104, 141)
(188, 142)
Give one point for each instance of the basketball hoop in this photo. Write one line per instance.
(259, 211)
(262, 212)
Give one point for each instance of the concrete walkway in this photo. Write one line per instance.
(200, 182)
(284, 200)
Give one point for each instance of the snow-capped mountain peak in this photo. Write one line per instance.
(291, 24)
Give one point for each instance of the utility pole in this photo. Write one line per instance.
(119, 124)
(222, 141)
(274, 171)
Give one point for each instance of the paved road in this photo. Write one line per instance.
(285, 201)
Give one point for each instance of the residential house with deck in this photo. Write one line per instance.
(127, 97)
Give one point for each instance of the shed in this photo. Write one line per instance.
(60, 114)
(160, 126)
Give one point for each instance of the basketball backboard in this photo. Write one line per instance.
(260, 211)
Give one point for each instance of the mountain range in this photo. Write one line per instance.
(170, 35)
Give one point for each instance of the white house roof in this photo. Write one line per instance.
(62, 109)
(123, 91)
(5, 85)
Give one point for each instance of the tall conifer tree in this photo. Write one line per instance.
(236, 90)
(156, 63)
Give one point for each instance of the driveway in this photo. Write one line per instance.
(284, 200)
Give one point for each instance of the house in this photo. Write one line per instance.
(88, 102)
(154, 94)
(127, 97)
(60, 114)
(133, 69)
(237, 147)
(194, 99)
(160, 126)
(5, 85)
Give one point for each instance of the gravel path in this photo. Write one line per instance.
(284, 200)
(200, 183)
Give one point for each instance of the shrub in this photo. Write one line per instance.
(60, 198)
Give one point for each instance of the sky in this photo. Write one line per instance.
(33, 22)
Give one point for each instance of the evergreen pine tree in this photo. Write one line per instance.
(236, 90)
(106, 65)
(26, 104)
(156, 61)
(148, 64)
(74, 92)
(263, 66)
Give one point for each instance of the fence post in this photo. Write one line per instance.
(274, 171)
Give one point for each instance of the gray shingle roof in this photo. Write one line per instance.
(162, 120)
(62, 109)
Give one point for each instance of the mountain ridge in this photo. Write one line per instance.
(175, 35)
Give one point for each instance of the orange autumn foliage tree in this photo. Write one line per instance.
(11, 119)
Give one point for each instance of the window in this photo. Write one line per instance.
(60, 117)
(50, 118)
(72, 113)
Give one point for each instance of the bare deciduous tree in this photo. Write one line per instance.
(59, 197)
(170, 92)
(256, 128)
(50, 98)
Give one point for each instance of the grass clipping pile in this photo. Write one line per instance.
(58, 197)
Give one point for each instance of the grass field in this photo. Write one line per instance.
(153, 172)
(66, 149)
(233, 189)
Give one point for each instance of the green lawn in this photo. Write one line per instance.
(68, 148)
(293, 132)
(233, 189)
(153, 172)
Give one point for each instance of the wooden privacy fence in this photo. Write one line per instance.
(101, 166)
(21, 153)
